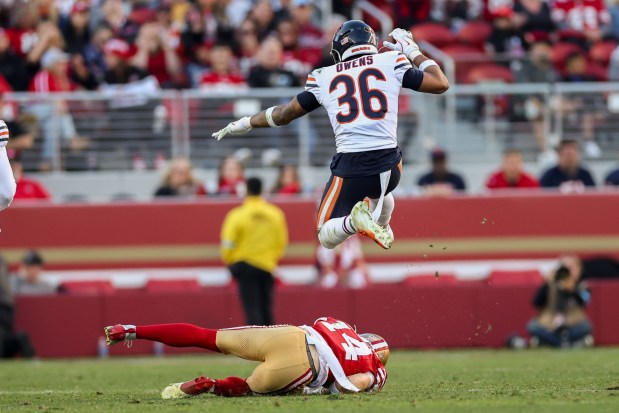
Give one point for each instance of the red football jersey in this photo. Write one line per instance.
(353, 353)
(581, 14)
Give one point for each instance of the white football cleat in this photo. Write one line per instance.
(365, 225)
(173, 391)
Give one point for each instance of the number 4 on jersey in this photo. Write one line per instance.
(355, 348)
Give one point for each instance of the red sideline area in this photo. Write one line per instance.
(151, 234)
(462, 314)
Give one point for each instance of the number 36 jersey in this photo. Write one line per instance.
(354, 353)
(361, 98)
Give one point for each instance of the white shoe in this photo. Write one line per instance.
(592, 150)
(365, 225)
(173, 391)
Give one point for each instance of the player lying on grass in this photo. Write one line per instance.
(327, 357)
(360, 93)
(7, 181)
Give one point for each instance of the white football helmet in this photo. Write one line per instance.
(379, 345)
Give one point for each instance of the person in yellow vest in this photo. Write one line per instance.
(253, 239)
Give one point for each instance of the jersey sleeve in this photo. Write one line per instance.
(402, 64)
(312, 85)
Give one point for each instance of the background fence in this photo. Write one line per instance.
(125, 131)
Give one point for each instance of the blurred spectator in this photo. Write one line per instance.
(75, 29)
(117, 54)
(288, 181)
(21, 137)
(583, 109)
(561, 319)
(48, 37)
(247, 39)
(231, 177)
(156, 54)
(296, 59)
(511, 174)
(254, 237)
(222, 78)
(532, 16)
(55, 121)
(504, 39)
(12, 67)
(27, 188)
(612, 179)
(12, 343)
(536, 69)
(264, 18)
(456, 12)
(23, 31)
(94, 51)
(568, 175)
(440, 180)
(310, 36)
(613, 11)
(342, 266)
(268, 72)
(588, 17)
(112, 13)
(28, 279)
(180, 181)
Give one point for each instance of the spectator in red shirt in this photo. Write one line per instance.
(296, 59)
(288, 181)
(222, 78)
(27, 188)
(588, 17)
(310, 36)
(157, 55)
(231, 177)
(511, 174)
(55, 120)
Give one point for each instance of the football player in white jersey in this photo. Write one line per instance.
(360, 93)
(7, 181)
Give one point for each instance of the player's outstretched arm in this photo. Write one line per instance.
(273, 117)
(7, 181)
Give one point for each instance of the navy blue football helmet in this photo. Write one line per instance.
(348, 39)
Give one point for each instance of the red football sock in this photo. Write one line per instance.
(179, 335)
(232, 387)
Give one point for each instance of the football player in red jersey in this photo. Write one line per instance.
(324, 358)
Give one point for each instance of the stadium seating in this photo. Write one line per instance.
(560, 53)
(474, 34)
(601, 51)
(434, 33)
(87, 287)
(172, 285)
(515, 277)
(490, 72)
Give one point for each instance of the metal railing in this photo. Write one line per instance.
(472, 121)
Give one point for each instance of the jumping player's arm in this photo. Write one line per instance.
(7, 181)
(273, 117)
(428, 78)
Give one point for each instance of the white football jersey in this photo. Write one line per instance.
(361, 98)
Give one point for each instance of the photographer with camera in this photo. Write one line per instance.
(561, 320)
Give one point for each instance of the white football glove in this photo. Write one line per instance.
(403, 43)
(4, 134)
(239, 127)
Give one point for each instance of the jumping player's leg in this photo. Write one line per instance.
(334, 223)
(386, 210)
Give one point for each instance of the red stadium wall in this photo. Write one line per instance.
(463, 314)
(170, 234)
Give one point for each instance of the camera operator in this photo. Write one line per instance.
(561, 319)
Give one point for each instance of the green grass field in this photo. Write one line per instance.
(442, 381)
